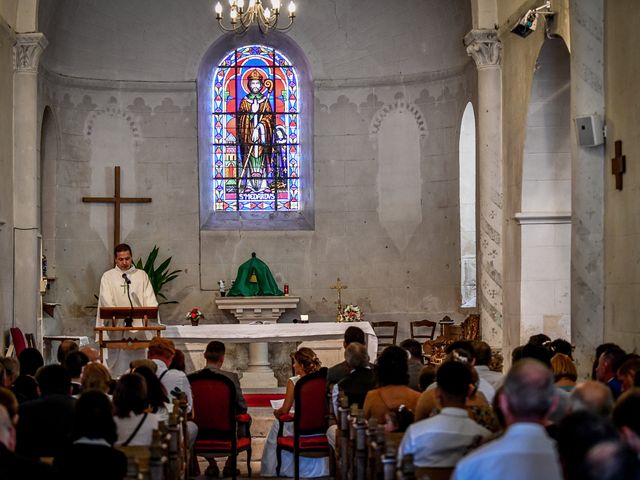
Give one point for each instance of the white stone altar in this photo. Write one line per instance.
(258, 310)
(275, 332)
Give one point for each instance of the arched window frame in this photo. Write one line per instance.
(303, 219)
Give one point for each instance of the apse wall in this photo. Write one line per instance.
(389, 96)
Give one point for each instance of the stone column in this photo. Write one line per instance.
(587, 185)
(26, 281)
(486, 50)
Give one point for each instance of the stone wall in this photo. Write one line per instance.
(6, 179)
(622, 228)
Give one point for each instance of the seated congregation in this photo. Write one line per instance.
(397, 417)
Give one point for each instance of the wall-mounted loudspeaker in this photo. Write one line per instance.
(589, 130)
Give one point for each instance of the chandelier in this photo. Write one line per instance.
(240, 19)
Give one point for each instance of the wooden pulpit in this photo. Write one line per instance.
(111, 315)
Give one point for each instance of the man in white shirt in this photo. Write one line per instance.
(161, 352)
(441, 440)
(124, 286)
(525, 451)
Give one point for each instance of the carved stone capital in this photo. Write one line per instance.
(27, 51)
(484, 47)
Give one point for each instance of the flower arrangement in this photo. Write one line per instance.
(350, 313)
(194, 316)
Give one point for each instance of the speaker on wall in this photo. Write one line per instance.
(589, 130)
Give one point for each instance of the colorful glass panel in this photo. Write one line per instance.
(255, 137)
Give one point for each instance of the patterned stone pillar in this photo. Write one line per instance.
(587, 186)
(26, 281)
(486, 50)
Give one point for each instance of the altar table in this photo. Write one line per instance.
(271, 332)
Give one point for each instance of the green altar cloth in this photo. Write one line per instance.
(262, 283)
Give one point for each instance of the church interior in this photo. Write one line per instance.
(444, 165)
(546, 244)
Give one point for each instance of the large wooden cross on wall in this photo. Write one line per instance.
(116, 200)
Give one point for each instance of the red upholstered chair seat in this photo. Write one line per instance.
(219, 446)
(306, 443)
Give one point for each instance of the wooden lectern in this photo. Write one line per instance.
(111, 315)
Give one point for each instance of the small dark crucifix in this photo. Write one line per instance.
(618, 164)
(116, 200)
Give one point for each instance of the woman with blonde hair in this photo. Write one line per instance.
(564, 371)
(95, 376)
(305, 362)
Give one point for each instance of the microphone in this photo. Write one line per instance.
(128, 321)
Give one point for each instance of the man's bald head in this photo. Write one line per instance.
(92, 353)
(592, 396)
(529, 391)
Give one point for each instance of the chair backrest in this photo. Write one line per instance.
(311, 409)
(214, 400)
(386, 332)
(19, 342)
(423, 330)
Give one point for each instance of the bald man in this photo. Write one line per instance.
(525, 451)
(593, 396)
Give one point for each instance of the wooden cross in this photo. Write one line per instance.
(618, 164)
(339, 287)
(116, 200)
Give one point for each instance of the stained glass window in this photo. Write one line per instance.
(256, 137)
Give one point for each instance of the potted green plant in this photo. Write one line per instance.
(158, 276)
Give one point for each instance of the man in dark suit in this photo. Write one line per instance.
(12, 465)
(44, 428)
(341, 370)
(214, 355)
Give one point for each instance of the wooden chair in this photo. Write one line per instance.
(387, 332)
(343, 463)
(148, 462)
(214, 403)
(423, 330)
(310, 422)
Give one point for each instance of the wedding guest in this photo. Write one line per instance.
(305, 362)
(134, 424)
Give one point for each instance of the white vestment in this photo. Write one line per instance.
(113, 293)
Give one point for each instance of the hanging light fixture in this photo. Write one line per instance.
(240, 19)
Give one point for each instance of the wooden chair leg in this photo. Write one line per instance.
(296, 464)
(249, 461)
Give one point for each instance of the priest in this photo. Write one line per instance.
(124, 286)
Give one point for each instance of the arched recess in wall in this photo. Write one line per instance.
(245, 204)
(49, 148)
(467, 164)
(545, 302)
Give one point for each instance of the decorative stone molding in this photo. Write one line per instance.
(27, 51)
(484, 47)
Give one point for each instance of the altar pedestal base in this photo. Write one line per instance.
(259, 373)
(249, 310)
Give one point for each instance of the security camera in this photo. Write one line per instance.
(526, 25)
